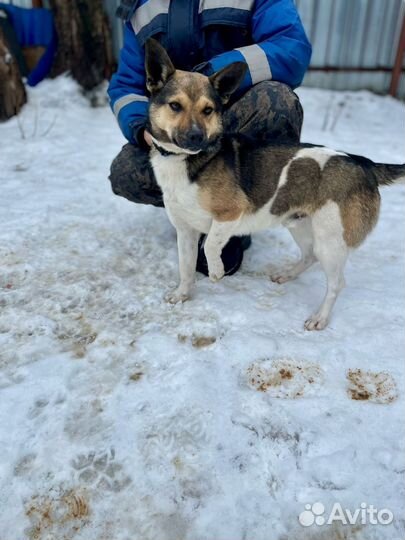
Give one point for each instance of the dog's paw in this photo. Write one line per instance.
(316, 322)
(216, 270)
(177, 296)
(216, 277)
(282, 277)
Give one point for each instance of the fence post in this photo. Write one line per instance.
(399, 59)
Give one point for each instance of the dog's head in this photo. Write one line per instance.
(185, 110)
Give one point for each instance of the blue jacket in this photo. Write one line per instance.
(206, 35)
(34, 27)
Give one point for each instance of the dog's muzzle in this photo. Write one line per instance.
(193, 140)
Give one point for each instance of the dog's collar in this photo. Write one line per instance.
(171, 149)
(162, 151)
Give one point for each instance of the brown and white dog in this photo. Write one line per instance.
(226, 187)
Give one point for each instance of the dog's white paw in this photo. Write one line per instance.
(282, 277)
(216, 277)
(316, 322)
(216, 270)
(177, 296)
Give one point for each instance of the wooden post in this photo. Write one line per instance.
(399, 60)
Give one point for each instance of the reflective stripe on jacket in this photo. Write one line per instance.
(207, 35)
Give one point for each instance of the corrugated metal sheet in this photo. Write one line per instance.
(344, 33)
(116, 25)
(356, 34)
(21, 3)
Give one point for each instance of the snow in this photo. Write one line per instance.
(122, 417)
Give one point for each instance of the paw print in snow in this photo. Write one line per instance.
(101, 470)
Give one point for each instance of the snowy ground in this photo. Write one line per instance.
(124, 418)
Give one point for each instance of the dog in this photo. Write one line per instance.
(226, 187)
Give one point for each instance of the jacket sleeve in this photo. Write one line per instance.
(127, 88)
(281, 52)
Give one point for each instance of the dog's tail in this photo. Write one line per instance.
(389, 174)
(382, 173)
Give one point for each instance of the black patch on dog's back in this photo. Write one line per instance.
(260, 166)
(369, 168)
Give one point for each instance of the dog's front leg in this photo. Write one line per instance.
(187, 245)
(217, 238)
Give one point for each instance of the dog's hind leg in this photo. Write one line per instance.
(187, 245)
(218, 236)
(301, 231)
(331, 250)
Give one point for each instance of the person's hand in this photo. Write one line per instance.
(148, 137)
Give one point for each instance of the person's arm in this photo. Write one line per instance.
(127, 89)
(281, 52)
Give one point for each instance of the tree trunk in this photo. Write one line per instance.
(85, 47)
(12, 90)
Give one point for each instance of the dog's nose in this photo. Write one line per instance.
(195, 136)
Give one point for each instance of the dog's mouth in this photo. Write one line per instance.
(175, 147)
(203, 146)
(182, 144)
(188, 148)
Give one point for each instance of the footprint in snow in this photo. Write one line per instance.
(285, 377)
(57, 513)
(183, 432)
(377, 387)
(38, 408)
(25, 464)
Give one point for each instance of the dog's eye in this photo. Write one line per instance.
(207, 111)
(175, 106)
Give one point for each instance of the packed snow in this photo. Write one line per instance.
(125, 418)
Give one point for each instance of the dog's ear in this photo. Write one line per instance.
(158, 66)
(228, 79)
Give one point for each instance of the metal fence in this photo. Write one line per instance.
(20, 3)
(116, 24)
(354, 41)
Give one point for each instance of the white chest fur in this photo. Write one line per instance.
(180, 195)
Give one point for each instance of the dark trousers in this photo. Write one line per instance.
(269, 111)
